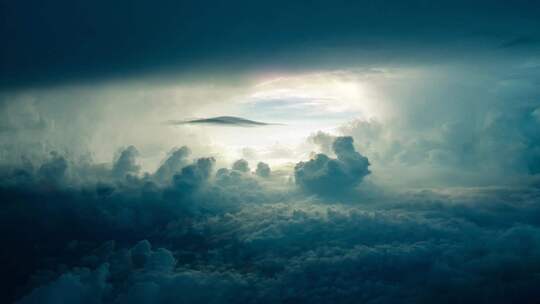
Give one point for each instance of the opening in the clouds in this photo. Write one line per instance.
(330, 97)
(298, 106)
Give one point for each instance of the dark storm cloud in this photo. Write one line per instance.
(66, 41)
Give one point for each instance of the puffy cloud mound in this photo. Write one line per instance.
(263, 170)
(241, 165)
(328, 176)
(192, 176)
(172, 165)
(126, 163)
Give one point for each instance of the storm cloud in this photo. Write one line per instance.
(66, 41)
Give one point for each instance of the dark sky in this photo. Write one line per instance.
(62, 41)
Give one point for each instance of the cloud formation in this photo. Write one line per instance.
(230, 121)
(241, 165)
(59, 48)
(263, 169)
(140, 244)
(174, 163)
(431, 195)
(126, 162)
(328, 176)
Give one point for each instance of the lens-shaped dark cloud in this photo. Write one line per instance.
(231, 121)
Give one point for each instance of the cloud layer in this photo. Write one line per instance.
(228, 235)
(66, 42)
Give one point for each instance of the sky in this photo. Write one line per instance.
(270, 151)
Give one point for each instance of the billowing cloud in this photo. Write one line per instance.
(192, 176)
(126, 163)
(172, 165)
(328, 176)
(241, 165)
(263, 170)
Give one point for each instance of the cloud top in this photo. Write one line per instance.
(329, 176)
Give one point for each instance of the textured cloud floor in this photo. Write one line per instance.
(190, 234)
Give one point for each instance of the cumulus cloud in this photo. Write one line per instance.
(174, 163)
(241, 165)
(192, 176)
(263, 169)
(126, 163)
(328, 176)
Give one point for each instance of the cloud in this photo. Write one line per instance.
(79, 228)
(221, 120)
(241, 165)
(327, 176)
(470, 245)
(54, 169)
(80, 286)
(22, 115)
(268, 240)
(126, 163)
(263, 170)
(180, 40)
(192, 176)
(172, 165)
(323, 140)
